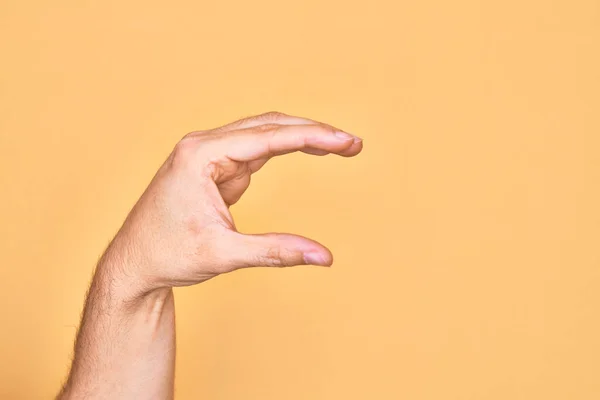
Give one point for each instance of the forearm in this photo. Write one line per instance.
(125, 348)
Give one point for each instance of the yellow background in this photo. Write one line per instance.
(466, 236)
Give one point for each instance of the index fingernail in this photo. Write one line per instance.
(344, 135)
(315, 259)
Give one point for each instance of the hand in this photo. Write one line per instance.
(181, 232)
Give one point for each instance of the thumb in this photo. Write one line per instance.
(277, 250)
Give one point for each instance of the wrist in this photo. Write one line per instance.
(120, 278)
(122, 321)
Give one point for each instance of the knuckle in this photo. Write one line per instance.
(194, 134)
(272, 257)
(272, 116)
(183, 152)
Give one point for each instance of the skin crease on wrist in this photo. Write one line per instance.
(180, 233)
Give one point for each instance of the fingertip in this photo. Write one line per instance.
(319, 255)
(354, 149)
(318, 258)
(329, 257)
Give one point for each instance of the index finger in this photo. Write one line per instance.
(268, 118)
(273, 140)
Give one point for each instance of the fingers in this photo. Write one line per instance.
(267, 141)
(272, 117)
(276, 250)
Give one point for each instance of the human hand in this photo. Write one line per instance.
(180, 232)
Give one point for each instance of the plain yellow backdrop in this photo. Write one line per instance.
(466, 236)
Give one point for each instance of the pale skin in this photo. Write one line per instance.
(181, 233)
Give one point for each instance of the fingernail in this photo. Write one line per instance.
(315, 259)
(344, 135)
